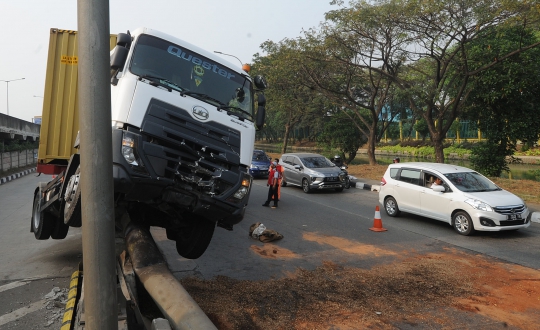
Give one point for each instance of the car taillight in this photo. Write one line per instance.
(383, 181)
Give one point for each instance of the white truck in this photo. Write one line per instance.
(183, 132)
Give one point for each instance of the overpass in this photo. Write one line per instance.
(12, 128)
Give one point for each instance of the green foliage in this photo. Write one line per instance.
(339, 134)
(422, 128)
(424, 151)
(16, 145)
(489, 159)
(505, 99)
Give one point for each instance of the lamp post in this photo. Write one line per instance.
(7, 91)
(245, 67)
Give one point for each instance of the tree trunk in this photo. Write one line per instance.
(371, 144)
(439, 150)
(285, 139)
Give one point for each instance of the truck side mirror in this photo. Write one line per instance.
(118, 57)
(123, 39)
(261, 111)
(260, 82)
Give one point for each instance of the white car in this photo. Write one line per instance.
(467, 200)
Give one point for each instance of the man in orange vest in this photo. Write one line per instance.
(281, 171)
(273, 184)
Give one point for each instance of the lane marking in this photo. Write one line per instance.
(13, 285)
(17, 314)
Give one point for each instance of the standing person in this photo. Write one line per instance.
(273, 179)
(281, 171)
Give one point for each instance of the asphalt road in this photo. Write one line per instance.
(318, 227)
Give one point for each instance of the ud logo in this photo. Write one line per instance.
(200, 113)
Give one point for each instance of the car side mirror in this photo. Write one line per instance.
(298, 167)
(438, 188)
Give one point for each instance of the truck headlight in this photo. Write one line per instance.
(243, 191)
(129, 150)
(479, 205)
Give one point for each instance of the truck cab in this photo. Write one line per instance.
(183, 132)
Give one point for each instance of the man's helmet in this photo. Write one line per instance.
(337, 158)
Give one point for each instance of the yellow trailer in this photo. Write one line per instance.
(60, 117)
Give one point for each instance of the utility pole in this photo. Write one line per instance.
(96, 165)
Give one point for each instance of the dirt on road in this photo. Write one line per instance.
(445, 290)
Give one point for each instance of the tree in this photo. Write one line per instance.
(339, 134)
(351, 60)
(289, 97)
(417, 45)
(505, 100)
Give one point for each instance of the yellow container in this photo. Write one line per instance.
(60, 117)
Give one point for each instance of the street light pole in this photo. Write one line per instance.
(241, 64)
(7, 91)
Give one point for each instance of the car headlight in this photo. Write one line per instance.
(254, 167)
(479, 205)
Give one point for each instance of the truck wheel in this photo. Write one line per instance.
(72, 204)
(192, 241)
(42, 222)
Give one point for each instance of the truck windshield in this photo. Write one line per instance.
(182, 69)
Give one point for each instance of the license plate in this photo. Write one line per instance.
(514, 217)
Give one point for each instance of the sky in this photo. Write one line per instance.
(236, 27)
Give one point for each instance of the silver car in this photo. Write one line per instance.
(311, 172)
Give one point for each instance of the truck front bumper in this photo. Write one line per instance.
(142, 183)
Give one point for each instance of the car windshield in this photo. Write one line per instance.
(261, 156)
(316, 162)
(471, 182)
(178, 68)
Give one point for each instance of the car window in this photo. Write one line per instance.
(257, 155)
(287, 160)
(471, 182)
(394, 172)
(410, 176)
(316, 162)
(296, 161)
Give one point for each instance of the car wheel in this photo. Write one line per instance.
(192, 241)
(347, 183)
(462, 223)
(391, 207)
(42, 222)
(305, 186)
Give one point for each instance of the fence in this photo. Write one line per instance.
(15, 159)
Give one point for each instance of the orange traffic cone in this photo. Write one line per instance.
(377, 222)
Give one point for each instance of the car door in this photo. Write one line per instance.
(435, 205)
(407, 190)
(296, 173)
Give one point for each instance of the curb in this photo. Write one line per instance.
(535, 217)
(365, 186)
(16, 175)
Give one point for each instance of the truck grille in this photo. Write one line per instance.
(204, 156)
(512, 209)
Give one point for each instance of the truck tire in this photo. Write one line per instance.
(72, 203)
(192, 241)
(42, 222)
